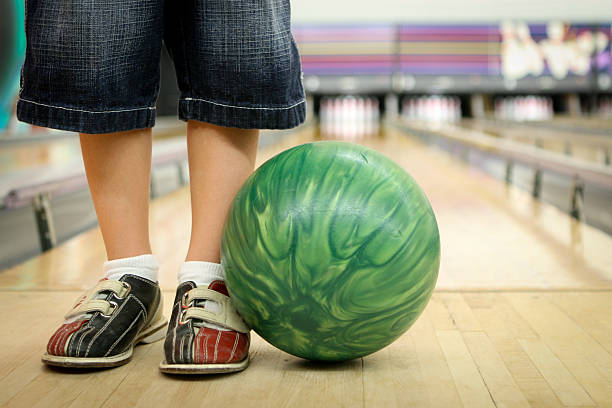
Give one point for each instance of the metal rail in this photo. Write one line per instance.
(164, 153)
(513, 152)
(538, 135)
(543, 133)
(565, 127)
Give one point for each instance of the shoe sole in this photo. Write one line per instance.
(154, 332)
(225, 368)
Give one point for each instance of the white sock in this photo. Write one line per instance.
(200, 272)
(203, 274)
(145, 266)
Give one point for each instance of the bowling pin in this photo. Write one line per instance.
(376, 116)
(323, 117)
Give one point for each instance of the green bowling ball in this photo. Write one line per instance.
(331, 251)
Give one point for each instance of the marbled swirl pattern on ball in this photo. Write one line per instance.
(331, 251)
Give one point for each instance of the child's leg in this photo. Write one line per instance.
(125, 307)
(118, 167)
(220, 160)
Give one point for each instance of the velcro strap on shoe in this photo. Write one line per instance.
(227, 317)
(87, 303)
(118, 287)
(93, 305)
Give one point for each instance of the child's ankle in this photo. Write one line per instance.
(144, 266)
(201, 273)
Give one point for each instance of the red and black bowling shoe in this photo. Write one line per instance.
(104, 324)
(193, 348)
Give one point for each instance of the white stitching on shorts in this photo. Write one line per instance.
(243, 107)
(88, 111)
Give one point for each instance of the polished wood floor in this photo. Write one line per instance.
(522, 314)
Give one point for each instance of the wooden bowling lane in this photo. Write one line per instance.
(520, 317)
(538, 349)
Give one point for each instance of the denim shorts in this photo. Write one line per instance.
(94, 66)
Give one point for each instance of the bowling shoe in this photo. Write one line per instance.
(193, 348)
(105, 323)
